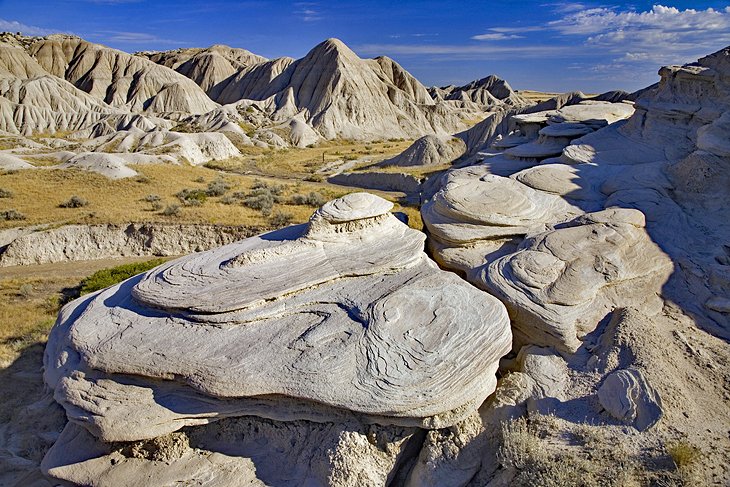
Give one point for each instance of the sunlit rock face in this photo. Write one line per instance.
(565, 220)
(344, 318)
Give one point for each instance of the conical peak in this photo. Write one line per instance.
(332, 48)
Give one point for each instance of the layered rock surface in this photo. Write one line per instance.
(552, 219)
(343, 319)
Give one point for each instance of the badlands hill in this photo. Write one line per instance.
(210, 68)
(195, 105)
(338, 94)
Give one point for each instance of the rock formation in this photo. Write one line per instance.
(90, 242)
(210, 68)
(341, 320)
(341, 95)
(571, 215)
(119, 79)
(486, 92)
(429, 150)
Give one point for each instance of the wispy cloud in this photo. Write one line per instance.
(133, 37)
(308, 11)
(32, 30)
(564, 7)
(419, 35)
(496, 36)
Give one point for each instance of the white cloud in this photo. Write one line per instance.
(308, 11)
(518, 30)
(133, 38)
(496, 36)
(565, 7)
(661, 29)
(31, 30)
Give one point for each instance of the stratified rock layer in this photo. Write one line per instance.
(578, 210)
(345, 317)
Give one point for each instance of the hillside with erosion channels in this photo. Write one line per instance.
(529, 293)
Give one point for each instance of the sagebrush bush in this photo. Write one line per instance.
(152, 198)
(312, 199)
(74, 202)
(11, 214)
(4, 193)
(171, 210)
(219, 187)
(192, 197)
(280, 219)
(26, 291)
(260, 199)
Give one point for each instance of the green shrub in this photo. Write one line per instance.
(74, 202)
(4, 193)
(192, 197)
(152, 198)
(108, 277)
(312, 199)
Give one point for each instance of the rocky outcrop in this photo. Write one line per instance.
(342, 320)
(429, 150)
(486, 92)
(521, 229)
(627, 396)
(89, 242)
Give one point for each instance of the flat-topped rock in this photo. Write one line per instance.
(342, 317)
(356, 206)
(566, 129)
(474, 205)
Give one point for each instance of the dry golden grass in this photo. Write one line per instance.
(302, 163)
(30, 297)
(540, 96)
(38, 194)
(537, 96)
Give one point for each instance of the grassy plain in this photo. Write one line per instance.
(30, 295)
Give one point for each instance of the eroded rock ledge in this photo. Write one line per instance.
(343, 319)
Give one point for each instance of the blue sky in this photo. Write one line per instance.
(545, 45)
